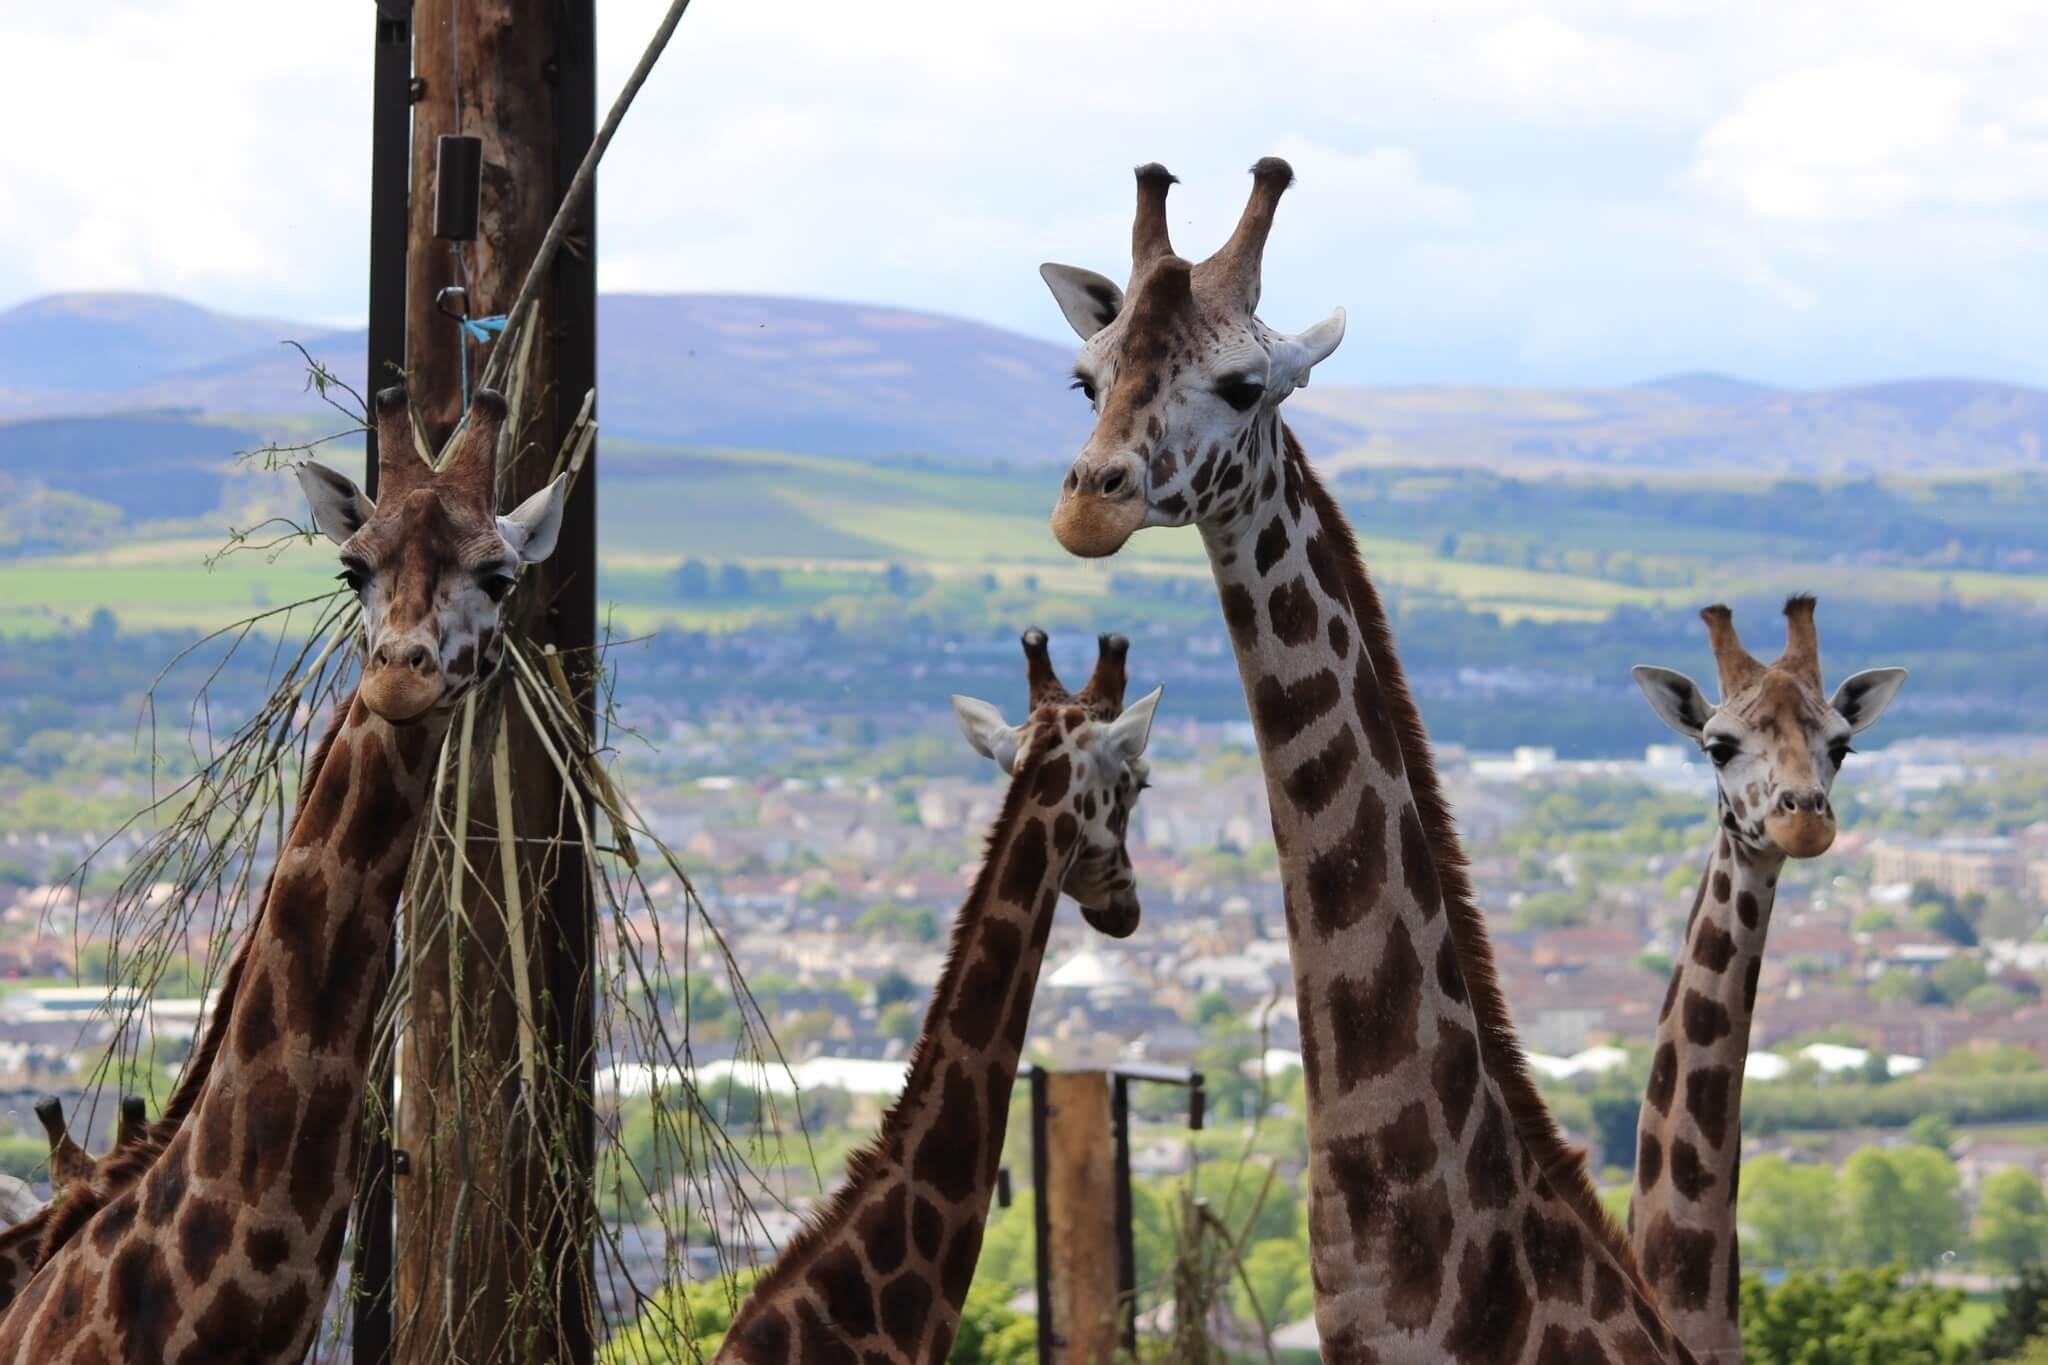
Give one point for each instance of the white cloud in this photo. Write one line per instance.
(211, 148)
(1496, 190)
(1867, 139)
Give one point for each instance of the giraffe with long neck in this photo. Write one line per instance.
(881, 1274)
(1448, 1220)
(1777, 742)
(225, 1246)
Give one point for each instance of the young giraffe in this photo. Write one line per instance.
(70, 1166)
(1448, 1220)
(881, 1274)
(1776, 743)
(225, 1247)
(69, 1162)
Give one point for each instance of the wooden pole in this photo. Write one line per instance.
(390, 175)
(495, 1214)
(1081, 1218)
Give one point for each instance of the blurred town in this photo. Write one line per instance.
(830, 851)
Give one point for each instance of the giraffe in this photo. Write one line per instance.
(1448, 1219)
(70, 1166)
(29, 1243)
(69, 1162)
(881, 1273)
(225, 1246)
(1776, 742)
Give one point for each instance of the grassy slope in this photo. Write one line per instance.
(833, 524)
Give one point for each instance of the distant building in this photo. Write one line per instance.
(1957, 866)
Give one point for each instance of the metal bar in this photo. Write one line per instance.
(1126, 1237)
(571, 316)
(1041, 1219)
(390, 179)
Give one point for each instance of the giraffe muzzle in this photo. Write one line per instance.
(403, 680)
(1118, 919)
(1101, 503)
(1801, 823)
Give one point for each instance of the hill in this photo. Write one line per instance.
(873, 382)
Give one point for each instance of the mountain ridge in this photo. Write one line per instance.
(874, 381)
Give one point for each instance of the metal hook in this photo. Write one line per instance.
(459, 295)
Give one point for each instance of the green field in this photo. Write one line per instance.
(831, 526)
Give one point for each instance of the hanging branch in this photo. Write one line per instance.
(579, 189)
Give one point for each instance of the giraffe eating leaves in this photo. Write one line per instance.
(223, 1248)
(1448, 1219)
(880, 1275)
(1777, 742)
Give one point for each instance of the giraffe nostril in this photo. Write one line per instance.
(1788, 802)
(1114, 484)
(1073, 481)
(417, 658)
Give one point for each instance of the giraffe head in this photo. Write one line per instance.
(431, 560)
(1185, 380)
(1776, 740)
(1102, 745)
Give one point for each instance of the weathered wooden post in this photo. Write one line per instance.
(494, 1211)
(1079, 1194)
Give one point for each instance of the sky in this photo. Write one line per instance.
(1596, 192)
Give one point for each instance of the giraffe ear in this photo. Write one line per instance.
(1861, 699)
(339, 507)
(1676, 698)
(531, 527)
(987, 731)
(1131, 731)
(1295, 356)
(1089, 301)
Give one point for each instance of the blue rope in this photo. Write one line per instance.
(480, 330)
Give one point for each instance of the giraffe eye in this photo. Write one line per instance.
(355, 573)
(1242, 394)
(1085, 385)
(1839, 751)
(496, 585)
(1722, 750)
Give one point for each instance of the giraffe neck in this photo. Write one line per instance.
(232, 1234)
(1434, 1169)
(135, 1154)
(1689, 1138)
(882, 1274)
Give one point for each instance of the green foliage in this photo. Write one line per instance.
(1862, 1317)
(1212, 1008)
(898, 1021)
(991, 1334)
(1998, 1097)
(899, 922)
(1786, 1213)
(1996, 1059)
(1900, 1206)
(2012, 1218)
(1277, 1271)
(1932, 1130)
(2022, 1318)
(1958, 976)
(680, 1323)
(25, 1158)
(1617, 1106)
(894, 988)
